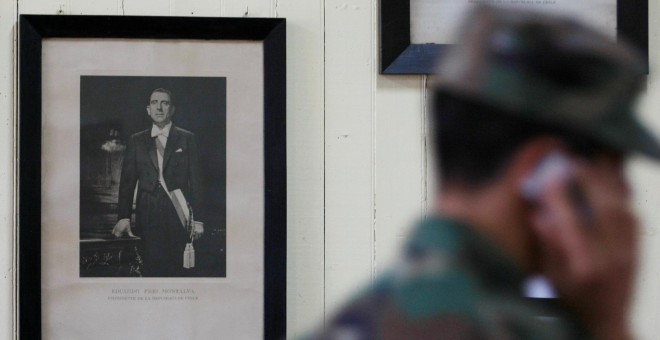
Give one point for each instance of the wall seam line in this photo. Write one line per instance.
(324, 138)
(14, 168)
(425, 147)
(374, 122)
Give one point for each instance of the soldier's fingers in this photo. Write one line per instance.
(562, 218)
(609, 201)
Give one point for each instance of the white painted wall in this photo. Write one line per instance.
(7, 67)
(646, 180)
(358, 165)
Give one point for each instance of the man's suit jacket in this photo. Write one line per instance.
(180, 168)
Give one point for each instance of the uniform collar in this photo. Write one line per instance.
(465, 247)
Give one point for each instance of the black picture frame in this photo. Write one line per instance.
(34, 28)
(399, 56)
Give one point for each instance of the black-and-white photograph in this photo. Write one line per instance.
(152, 176)
(157, 179)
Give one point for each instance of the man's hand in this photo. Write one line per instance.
(591, 257)
(198, 229)
(122, 226)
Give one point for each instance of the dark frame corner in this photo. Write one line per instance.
(34, 28)
(399, 56)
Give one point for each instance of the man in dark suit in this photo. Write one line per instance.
(159, 161)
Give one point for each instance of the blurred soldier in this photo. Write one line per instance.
(533, 120)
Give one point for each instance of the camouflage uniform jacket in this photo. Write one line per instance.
(452, 284)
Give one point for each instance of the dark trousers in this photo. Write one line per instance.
(162, 233)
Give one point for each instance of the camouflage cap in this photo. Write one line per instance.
(552, 70)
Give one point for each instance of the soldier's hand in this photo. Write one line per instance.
(122, 226)
(590, 256)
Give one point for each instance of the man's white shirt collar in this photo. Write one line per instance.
(155, 131)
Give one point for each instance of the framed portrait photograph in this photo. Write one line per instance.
(414, 33)
(152, 177)
(120, 164)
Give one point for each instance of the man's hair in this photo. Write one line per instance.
(163, 90)
(474, 141)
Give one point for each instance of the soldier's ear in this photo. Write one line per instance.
(148, 111)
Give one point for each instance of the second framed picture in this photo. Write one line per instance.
(414, 33)
(152, 177)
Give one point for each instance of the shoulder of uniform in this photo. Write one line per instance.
(438, 292)
(402, 308)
